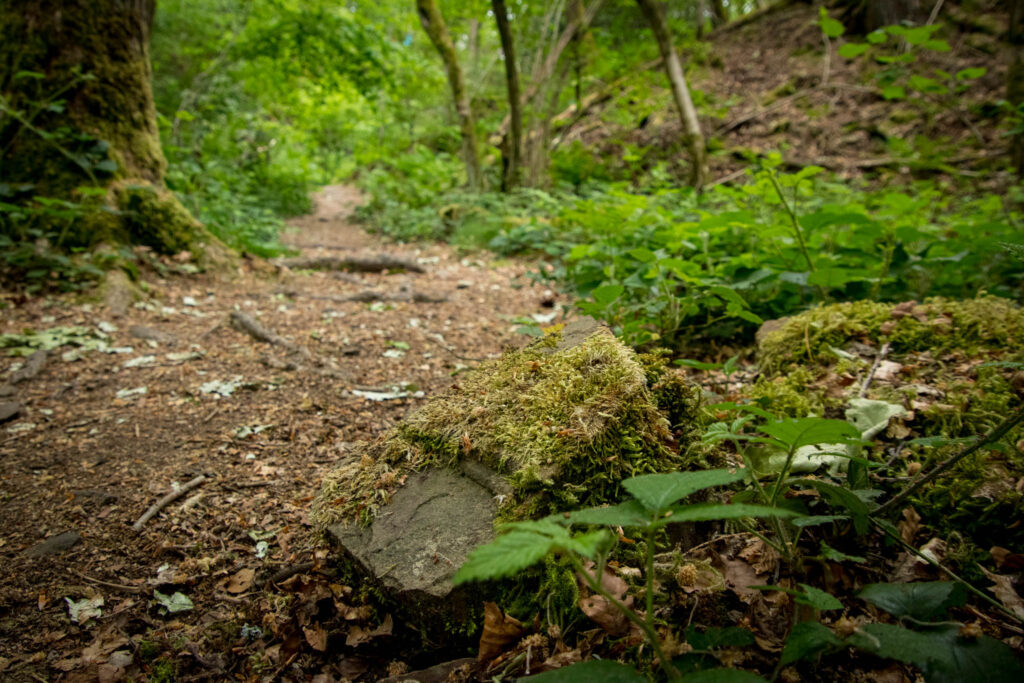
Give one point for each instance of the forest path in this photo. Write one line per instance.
(181, 392)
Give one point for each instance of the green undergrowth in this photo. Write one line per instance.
(958, 377)
(564, 426)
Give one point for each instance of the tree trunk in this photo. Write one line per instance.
(433, 24)
(77, 123)
(719, 13)
(515, 145)
(864, 16)
(1015, 80)
(694, 138)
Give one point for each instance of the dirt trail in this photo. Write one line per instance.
(103, 436)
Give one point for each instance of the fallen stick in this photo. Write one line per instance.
(373, 264)
(874, 368)
(369, 295)
(246, 323)
(286, 573)
(167, 500)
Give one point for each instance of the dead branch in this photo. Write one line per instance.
(370, 295)
(359, 264)
(246, 323)
(874, 368)
(286, 573)
(167, 500)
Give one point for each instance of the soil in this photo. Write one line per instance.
(94, 462)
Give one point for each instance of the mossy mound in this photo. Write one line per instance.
(563, 420)
(939, 325)
(956, 371)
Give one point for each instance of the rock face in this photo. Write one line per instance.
(552, 426)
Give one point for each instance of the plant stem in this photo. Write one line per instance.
(948, 572)
(649, 633)
(797, 230)
(994, 435)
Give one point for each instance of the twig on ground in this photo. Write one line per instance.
(246, 323)
(365, 264)
(286, 573)
(167, 500)
(369, 295)
(115, 586)
(874, 368)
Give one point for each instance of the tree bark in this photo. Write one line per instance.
(77, 123)
(719, 13)
(1015, 80)
(865, 16)
(437, 30)
(515, 144)
(694, 137)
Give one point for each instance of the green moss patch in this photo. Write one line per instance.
(563, 420)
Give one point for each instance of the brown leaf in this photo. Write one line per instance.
(606, 615)
(500, 631)
(1006, 593)
(358, 635)
(739, 577)
(559, 660)
(611, 582)
(1007, 560)
(316, 636)
(241, 581)
(910, 525)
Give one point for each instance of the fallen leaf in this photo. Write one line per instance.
(358, 635)
(316, 636)
(82, 611)
(1007, 594)
(910, 525)
(1005, 559)
(241, 581)
(606, 615)
(500, 631)
(739, 577)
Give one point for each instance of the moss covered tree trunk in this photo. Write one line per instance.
(77, 123)
(693, 135)
(437, 30)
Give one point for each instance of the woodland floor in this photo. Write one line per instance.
(93, 463)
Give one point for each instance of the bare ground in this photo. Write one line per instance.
(81, 459)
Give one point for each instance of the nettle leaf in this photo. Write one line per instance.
(629, 514)
(722, 676)
(844, 498)
(853, 50)
(809, 431)
(606, 294)
(708, 511)
(830, 553)
(594, 670)
(656, 492)
(817, 598)
(589, 545)
(941, 654)
(712, 637)
(806, 641)
(921, 601)
(506, 555)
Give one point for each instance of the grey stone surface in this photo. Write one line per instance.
(9, 411)
(417, 542)
(54, 545)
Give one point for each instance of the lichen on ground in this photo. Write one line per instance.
(563, 426)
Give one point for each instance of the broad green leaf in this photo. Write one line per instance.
(722, 676)
(506, 555)
(806, 641)
(972, 73)
(919, 35)
(704, 512)
(809, 431)
(606, 294)
(643, 254)
(712, 637)
(877, 36)
(844, 498)
(941, 654)
(937, 45)
(589, 672)
(830, 27)
(853, 50)
(817, 598)
(628, 514)
(836, 277)
(590, 544)
(815, 520)
(921, 601)
(656, 492)
(697, 365)
(830, 553)
(894, 92)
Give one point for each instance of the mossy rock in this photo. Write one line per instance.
(554, 426)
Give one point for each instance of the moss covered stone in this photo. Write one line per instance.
(563, 421)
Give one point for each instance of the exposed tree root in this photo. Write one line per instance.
(366, 264)
(167, 500)
(370, 295)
